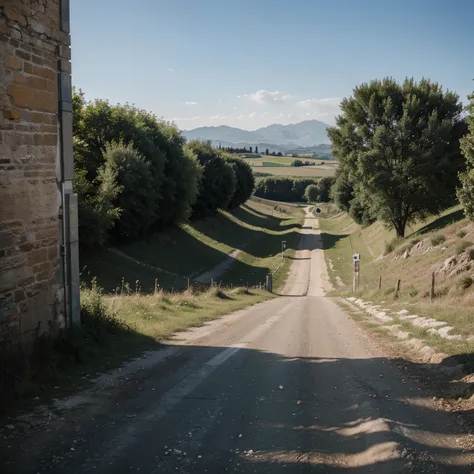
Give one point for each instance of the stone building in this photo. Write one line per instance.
(39, 287)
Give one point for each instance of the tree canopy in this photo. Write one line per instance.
(466, 190)
(218, 182)
(398, 150)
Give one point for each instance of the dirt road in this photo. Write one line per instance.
(287, 386)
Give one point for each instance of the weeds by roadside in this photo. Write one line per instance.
(112, 329)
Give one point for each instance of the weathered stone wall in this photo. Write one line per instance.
(33, 50)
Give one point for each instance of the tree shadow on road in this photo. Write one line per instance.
(267, 413)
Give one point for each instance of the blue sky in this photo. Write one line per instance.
(250, 63)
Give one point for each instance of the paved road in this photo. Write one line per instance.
(288, 386)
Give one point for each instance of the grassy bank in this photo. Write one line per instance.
(442, 246)
(113, 330)
(256, 230)
(117, 325)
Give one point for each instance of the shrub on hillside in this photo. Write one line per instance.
(465, 282)
(462, 246)
(471, 254)
(437, 239)
(392, 245)
(461, 234)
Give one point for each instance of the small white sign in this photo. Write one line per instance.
(356, 257)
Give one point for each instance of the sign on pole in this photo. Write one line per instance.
(355, 281)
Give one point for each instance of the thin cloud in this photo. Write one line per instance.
(170, 69)
(322, 109)
(190, 103)
(264, 97)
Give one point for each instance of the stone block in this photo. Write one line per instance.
(47, 73)
(23, 55)
(11, 114)
(26, 281)
(6, 240)
(37, 83)
(64, 51)
(42, 267)
(30, 99)
(13, 13)
(53, 252)
(12, 62)
(19, 78)
(37, 256)
(19, 296)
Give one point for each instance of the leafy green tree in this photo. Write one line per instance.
(466, 190)
(311, 193)
(283, 188)
(324, 188)
(245, 181)
(218, 182)
(181, 177)
(399, 145)
(97, 205)
(138, 195)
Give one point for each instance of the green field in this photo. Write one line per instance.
(281, 166)
(287, 160)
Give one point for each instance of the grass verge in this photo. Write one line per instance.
(256, 229)
(113, 329)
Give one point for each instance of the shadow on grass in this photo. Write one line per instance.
(440, 223)
(330, 240)
(173, 256)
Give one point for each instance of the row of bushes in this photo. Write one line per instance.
(135, 174)
(320, 192)
(298, 163)
(283, 188)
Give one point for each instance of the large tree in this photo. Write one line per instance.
(245, 181)
(399, 146)
(218, 181)
(466, 191)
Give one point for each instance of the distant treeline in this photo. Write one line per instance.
(283, 188)
(135, 174)
(249, 150)
(298, 163)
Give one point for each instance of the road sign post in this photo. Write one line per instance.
(283, 247)
(355, 280)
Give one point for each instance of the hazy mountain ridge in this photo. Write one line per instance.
(308, 133)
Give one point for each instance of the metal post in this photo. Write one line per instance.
(283, 247)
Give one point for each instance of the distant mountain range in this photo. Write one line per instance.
(306, 137)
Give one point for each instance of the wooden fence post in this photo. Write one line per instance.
(432, 290)
(398, 288)
(380, 282)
